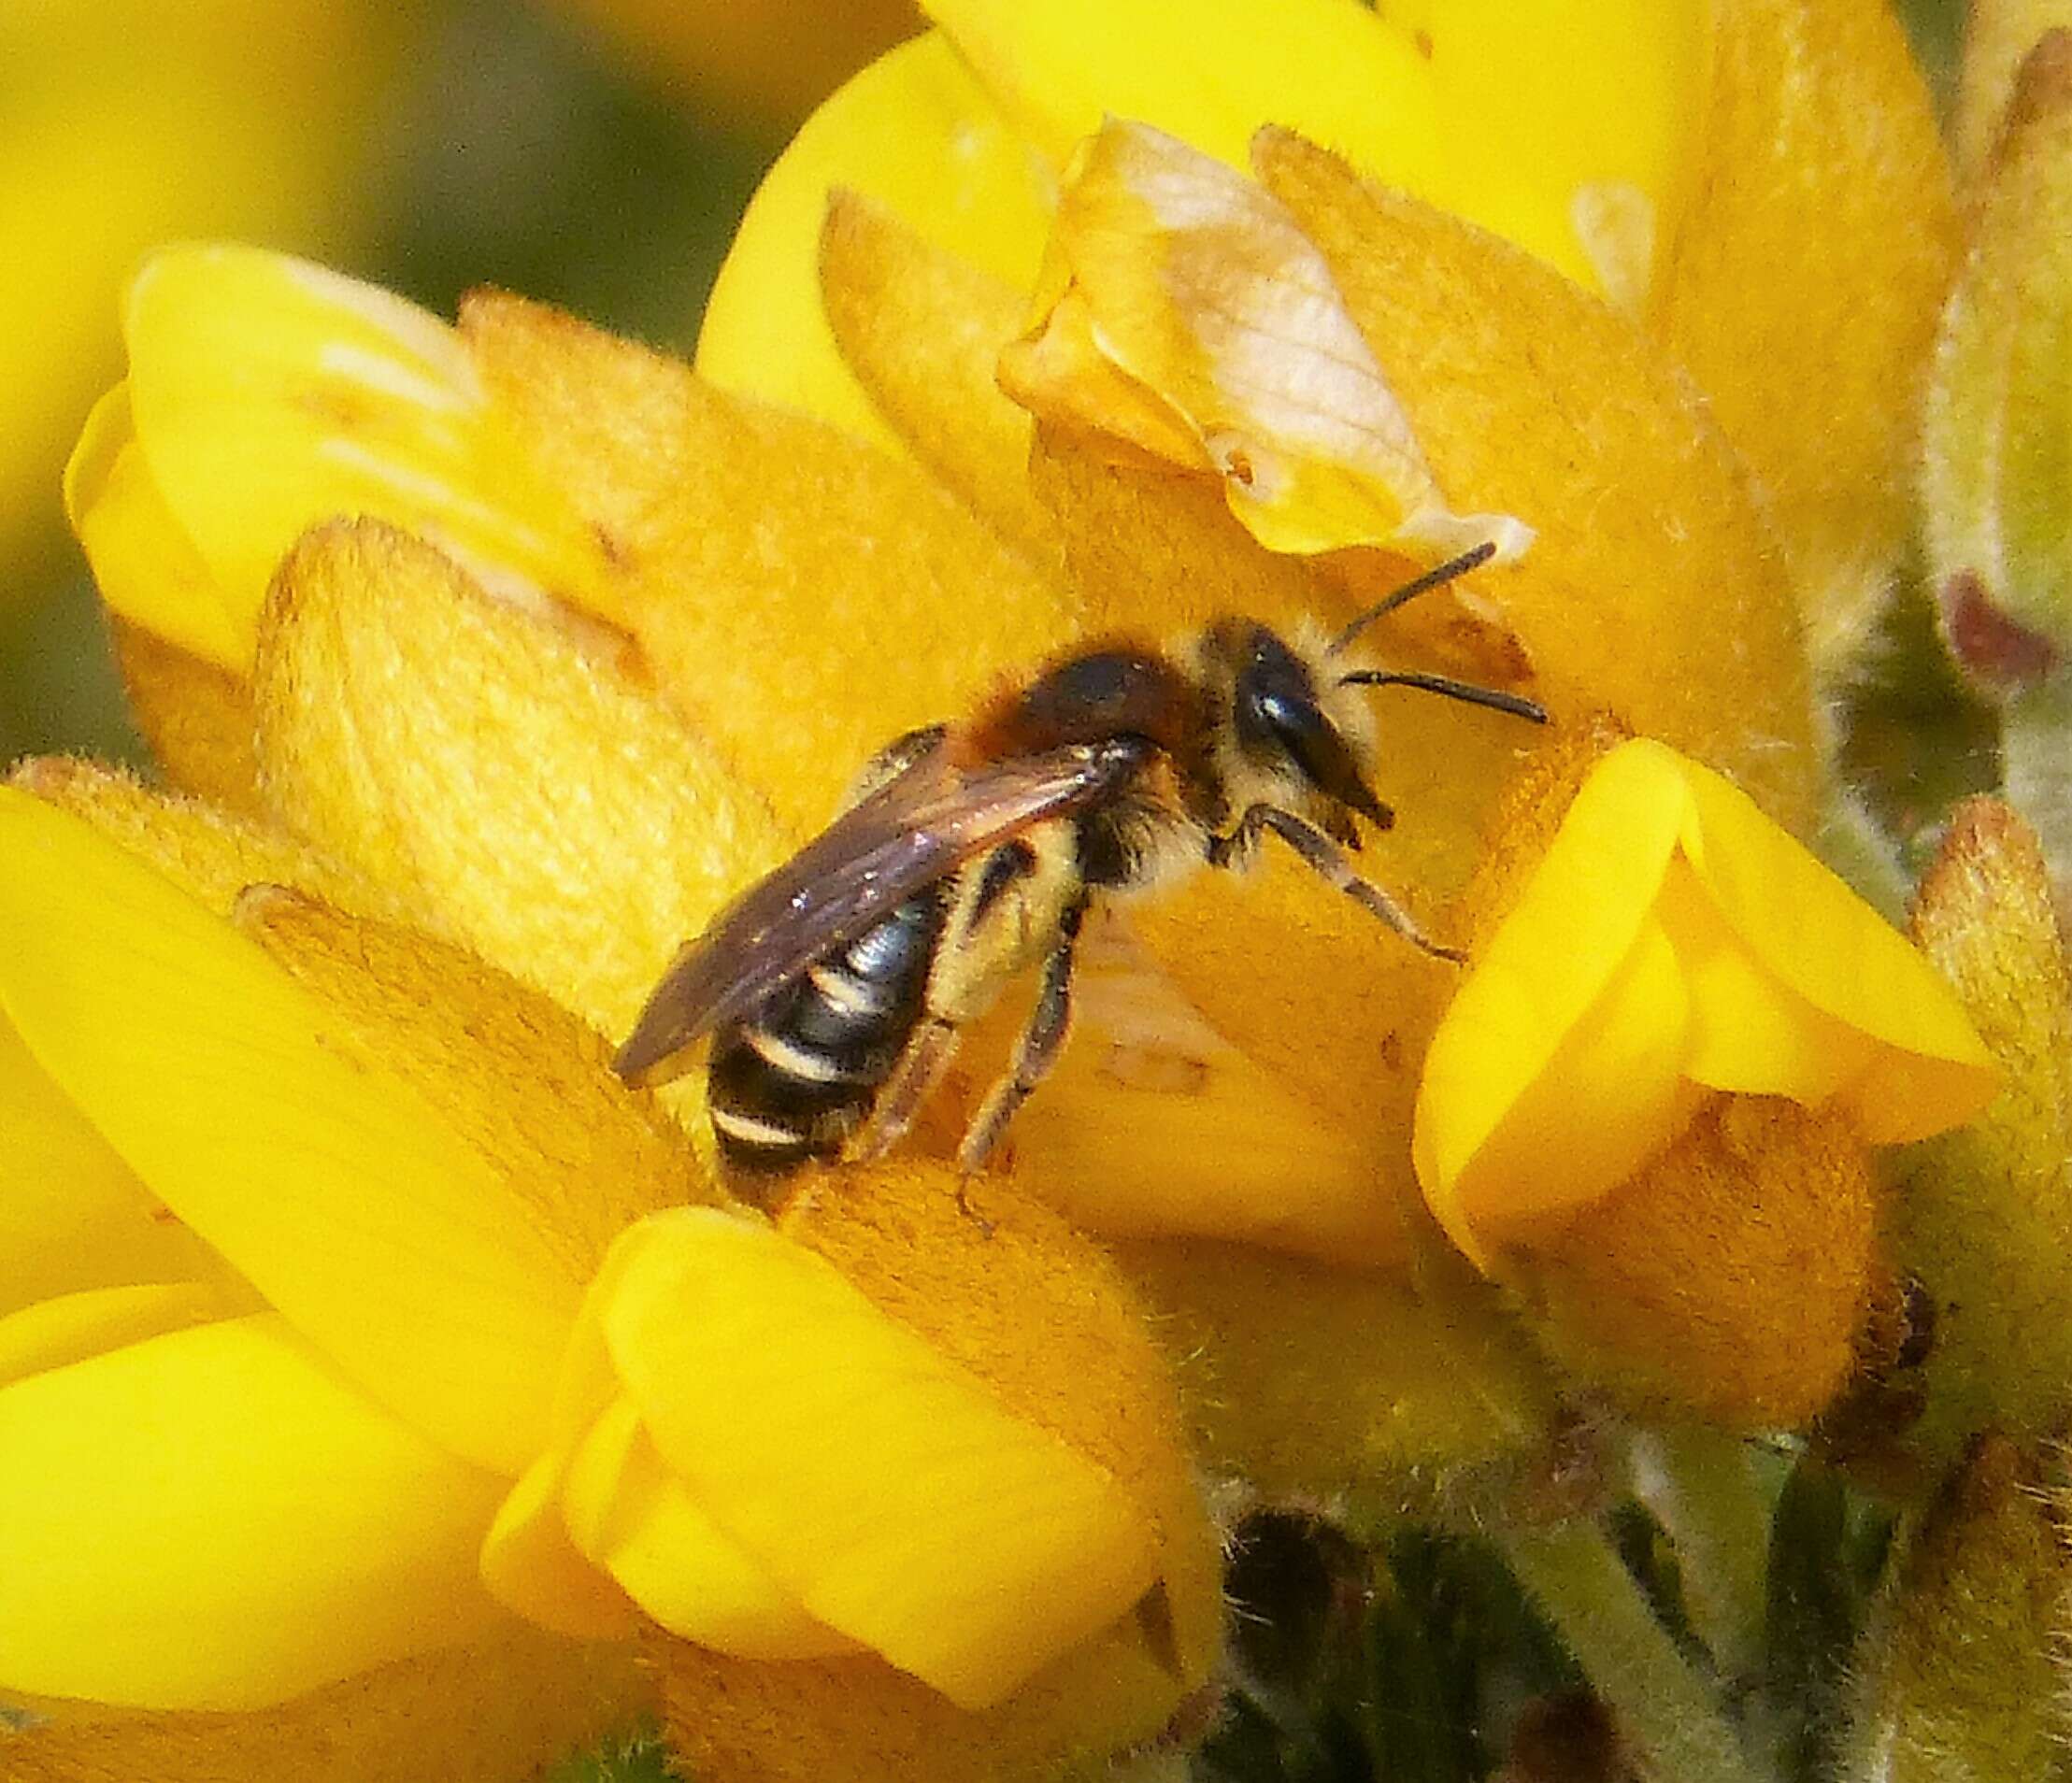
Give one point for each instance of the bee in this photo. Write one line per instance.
(833, 989)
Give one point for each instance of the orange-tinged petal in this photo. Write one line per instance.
(54, 1333)
(1496, 113)
(1529, 398)
(765, 622)
(327, 1181)
(214, 1519)
(523, 1083)
(512, 790)
(266, 395)
(195, 716)
(1196, 321)
(1813, 254)
(922, 329)
(915, 132)
(880, 1482)
(485, 1712)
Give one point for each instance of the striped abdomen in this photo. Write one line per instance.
(799, 1075)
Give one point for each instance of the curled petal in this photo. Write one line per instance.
(70, 1328)
(218, 1080)
(1196, 323)
(1495, 112)
(1671, 937)
(213, 1518)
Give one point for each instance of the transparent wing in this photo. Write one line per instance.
(922, 824)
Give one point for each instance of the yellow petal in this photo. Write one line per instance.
(328, 1183)
(214, 1519)
(1199, 323)
(1603, 997)
(524, 1084)
(73, 1215)
(1814, 254)
(267, 394)
(495, 1708)
(915, 132)
(1672, 935)
(438, 742)
(880, 1481)
(643, 1526)
(1496, 113)
(54, 1333)
(759, 617)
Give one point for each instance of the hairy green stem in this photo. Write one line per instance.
(2036, 754)
(1667, 1710)
(1706, 1491)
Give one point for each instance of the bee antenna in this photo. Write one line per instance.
(1451, 570)
(1516, 705)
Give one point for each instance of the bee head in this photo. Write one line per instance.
(1283, 734)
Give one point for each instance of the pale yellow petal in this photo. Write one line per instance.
(1198, 323)
(268, 394)
(214, 1519)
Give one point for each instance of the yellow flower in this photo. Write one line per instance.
(126, 123)
(298, 1302)
(1671, 949)
(1759, 186)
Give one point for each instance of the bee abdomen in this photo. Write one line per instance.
(795, 1079)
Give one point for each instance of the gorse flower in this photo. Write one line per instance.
(1057, 322)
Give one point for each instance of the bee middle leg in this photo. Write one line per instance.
(913, 1079)
(1035, 1052)
(1328, 861)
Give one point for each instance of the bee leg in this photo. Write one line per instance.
(1329, 861)
(1037, 1051)
(913, 1078)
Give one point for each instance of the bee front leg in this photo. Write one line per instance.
(1037, 1051)
(1328, 859)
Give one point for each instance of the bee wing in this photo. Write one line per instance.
(919, 826)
